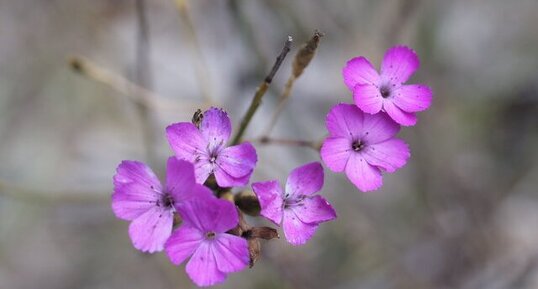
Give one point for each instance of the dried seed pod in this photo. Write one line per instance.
(197, 118)
(248, 203)
(305, 54)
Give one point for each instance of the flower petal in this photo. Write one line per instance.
(208, 213)
(202, 267)
(231, 253)
(368, 98)
(270, 197)
(389, 155)
(296, 231)
(179, 179)
(150, 230)
(182, 243)
(314, 210)
(335, 152)
(216, 127)
(305, 180)
(378, 128)
(136, 189)
(186, 141)
(399, 63)
(344, 120)
(412, 98)
(363, 175)
(398, 115)
(234, 163)
(359, 70)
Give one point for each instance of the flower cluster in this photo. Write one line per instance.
(194, 215)
(361, 139)
(211, 231)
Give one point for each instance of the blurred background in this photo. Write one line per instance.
(463, 213)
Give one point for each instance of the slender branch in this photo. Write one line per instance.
(143, 78)
(122, 85)
(257, 100)
(315, 145)
(300, 62)
(202, 72)
(31, 195)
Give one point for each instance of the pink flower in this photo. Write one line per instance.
(298, 208)
(206, 149)
(373, 92)
(139, 197)
(203, 235)
(362, 145)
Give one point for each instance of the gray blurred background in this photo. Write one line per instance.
(463, 213)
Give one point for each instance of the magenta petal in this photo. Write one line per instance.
(378, 128)
(359, 71)
(271, 199)
(314, 210)
(136, 189)
(398, 115)
(368, 98)
(202, 267)
(182, 243)
(335, 152)
(389, 155)
(150, 230)
(296, 231)
(179, 179)
(231, 253)
(186, 140)
(216, 127)
(344, 120)
(202, 169)
(412, 98)
(305, 180)
(399, 63)
(234, 163)
(363, 175)
(209, 214)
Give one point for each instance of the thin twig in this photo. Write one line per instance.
(119, 83)
(202, 73)
(143, 78)
(35, 196)
(315, 145)
(257, 100)
(300, 62)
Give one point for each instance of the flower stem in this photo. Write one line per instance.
(315, 145)
(257, 100)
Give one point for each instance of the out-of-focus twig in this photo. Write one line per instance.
(35, 196)
(301, 61)
(256, 101)
(143, 78)
(202, 73)
(119, 83)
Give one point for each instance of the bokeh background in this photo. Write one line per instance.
(463, 213)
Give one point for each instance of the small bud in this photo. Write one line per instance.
(305, 54)
(248, 203)
(197, 118)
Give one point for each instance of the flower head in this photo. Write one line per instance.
(362, 145)
(139, 197)
(206, 149)
(373, 92)
(298, 208)
(203, 236)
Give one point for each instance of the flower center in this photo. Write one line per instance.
(167, 201)
(357, 145)
(385, 91)
(210, 235)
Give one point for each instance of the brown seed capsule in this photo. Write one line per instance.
(305, 54)
(248, 203)
(197, 118)
(254, 250)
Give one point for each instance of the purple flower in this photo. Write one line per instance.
(373, 92)
(362, 145)
(206, 149)
(139, 197)
(298, 208)
(203, 235)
